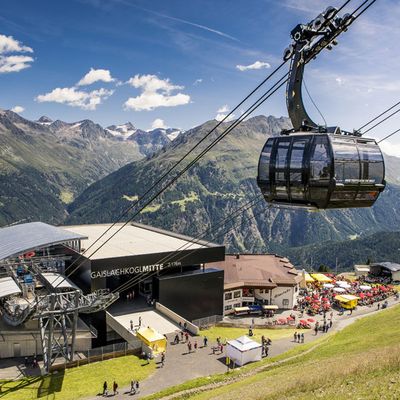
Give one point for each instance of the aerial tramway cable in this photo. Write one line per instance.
(168, 172)
(261, 100)
(255, 105)
(199, 238)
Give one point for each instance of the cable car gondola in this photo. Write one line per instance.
(315, 166)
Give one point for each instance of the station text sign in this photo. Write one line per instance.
(139, 269)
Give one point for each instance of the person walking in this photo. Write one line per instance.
(162, 359)
(295, 336)
(137, 387)
(181, 332)
(140, 321)
(316, 329)
(189, 346)
(105, 388)
(176, 339)
(186, 337)
(205, 340)
(115, 388)
(133, 387)
(330, 323)
(302, 338)
(195, 346)
(131, 323)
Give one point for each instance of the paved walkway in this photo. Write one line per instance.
(151, 318)
(181, 366)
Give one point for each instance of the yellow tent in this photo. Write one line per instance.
(308, 278)
(347, 301)
(305, 279)
(321, 278)
(152, 339)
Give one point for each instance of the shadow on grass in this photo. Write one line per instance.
(50, 384)
(5, 387)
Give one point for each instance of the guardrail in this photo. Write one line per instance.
(192, 328)
(99, 354)
(206, 322)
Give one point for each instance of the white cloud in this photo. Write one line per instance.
(223, 109)
(158, 123)
(14, 63)
(255, 65)
(391, 149)
(9, 45)
(152, 83)
(197, 82)
(156, 92)
(10, 62)
(222, 113)
(340, 81)
(96, 75)
(76, 98)
(18, 109)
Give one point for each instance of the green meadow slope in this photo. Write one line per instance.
(361, 361)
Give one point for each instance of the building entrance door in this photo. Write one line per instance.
(17, 350)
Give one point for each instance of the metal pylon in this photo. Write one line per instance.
(58, 327)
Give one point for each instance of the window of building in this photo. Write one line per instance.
(285, 302)
(237, 305)
(228, 296)
(237, 294)
(261, 291)
(229, 307)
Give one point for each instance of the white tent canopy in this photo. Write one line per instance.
(343, 284)
(328, 285)
(365, 287)
(243, 350)
(339, 290)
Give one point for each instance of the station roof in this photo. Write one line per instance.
(133, 239)
(22, 238)
(8, 287)
(57, 281)
(257, 271)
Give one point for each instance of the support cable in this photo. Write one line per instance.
(260, 101)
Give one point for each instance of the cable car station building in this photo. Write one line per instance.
(38, 259)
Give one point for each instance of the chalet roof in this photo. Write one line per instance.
(257, 270)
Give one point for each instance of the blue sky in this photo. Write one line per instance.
(175, 62)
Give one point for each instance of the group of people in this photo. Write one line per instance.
(298, 337)
(132, 325)
(130, 295)
(114, 388)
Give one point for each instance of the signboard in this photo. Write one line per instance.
(139, 269)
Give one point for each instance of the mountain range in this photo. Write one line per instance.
(75, 173)
(220, 183)
(45, 164)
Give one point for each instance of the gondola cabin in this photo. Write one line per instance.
(321, 170)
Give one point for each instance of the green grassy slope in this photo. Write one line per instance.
(77, 383)
(360, 362)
